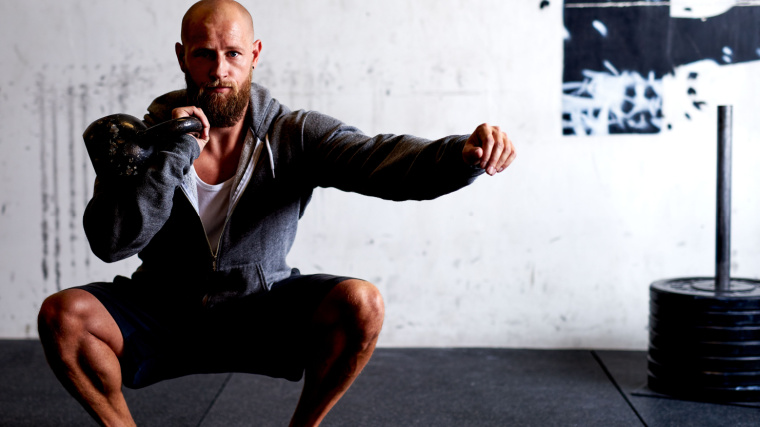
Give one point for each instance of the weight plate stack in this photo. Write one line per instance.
(705, 344)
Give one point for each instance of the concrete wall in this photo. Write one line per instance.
(559, 251)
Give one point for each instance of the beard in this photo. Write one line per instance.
(222, 110)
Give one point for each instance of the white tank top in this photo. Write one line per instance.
(213, 204)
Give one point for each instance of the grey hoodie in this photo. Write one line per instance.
(290, 153)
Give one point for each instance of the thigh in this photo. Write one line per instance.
(268, 333)
(152, 324)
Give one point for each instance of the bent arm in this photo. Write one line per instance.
(124, 214)
(393, 167)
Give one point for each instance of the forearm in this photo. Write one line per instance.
(124, 214)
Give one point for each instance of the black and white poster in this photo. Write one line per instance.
(618, 55)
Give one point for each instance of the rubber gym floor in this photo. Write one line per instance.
(399, 387)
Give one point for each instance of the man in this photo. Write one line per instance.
(212, 219)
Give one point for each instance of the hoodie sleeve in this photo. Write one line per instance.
(125, 213)
(393, 167)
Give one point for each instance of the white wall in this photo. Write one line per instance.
(559, 251)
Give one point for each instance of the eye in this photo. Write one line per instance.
(234, 54)
(202, 53)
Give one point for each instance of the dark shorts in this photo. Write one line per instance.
(168, 336)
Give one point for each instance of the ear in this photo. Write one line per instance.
(180, 51)
(257, 46)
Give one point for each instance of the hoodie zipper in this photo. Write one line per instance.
(208, 243)
(215, 253)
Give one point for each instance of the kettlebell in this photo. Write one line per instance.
(120, 145)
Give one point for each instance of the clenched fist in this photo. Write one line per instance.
(489, 148)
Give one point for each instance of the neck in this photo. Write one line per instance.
(219, 159)
(224, 140)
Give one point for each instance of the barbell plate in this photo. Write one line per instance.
(710, 394)
(696, 317)
(697, 378)
(704, 348)
(705, 363)
(691, 292)
(705, 333)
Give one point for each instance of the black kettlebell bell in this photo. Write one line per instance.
(120, 144)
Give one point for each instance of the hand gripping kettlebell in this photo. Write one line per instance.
(120, 144)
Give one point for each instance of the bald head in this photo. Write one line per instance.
(205, 12)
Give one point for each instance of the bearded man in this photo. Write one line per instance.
(213, 217)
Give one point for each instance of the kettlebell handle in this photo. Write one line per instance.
(174, 127)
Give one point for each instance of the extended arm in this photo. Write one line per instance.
(398, 167)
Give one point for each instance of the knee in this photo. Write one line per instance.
(63, 315)
(362, 308)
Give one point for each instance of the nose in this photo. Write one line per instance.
(219, 69)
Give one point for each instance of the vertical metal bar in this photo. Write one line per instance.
(723, 225)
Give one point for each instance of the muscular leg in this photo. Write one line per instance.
(82, 343)
(346, 327)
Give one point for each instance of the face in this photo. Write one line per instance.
(217, 58)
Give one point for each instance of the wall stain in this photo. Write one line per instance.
(21, 57)
(72, 177)
(85, 160)
(55, 195)
(44, 178)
